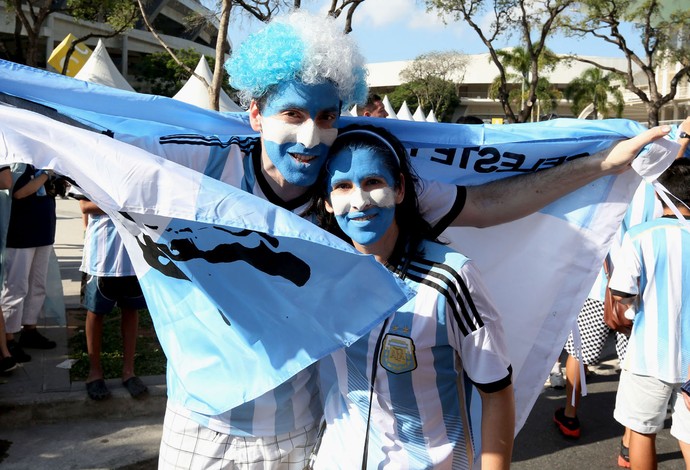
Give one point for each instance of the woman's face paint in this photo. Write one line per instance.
(362, 194)
(298, 126)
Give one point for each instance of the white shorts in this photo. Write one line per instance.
(642, 403)
(188, 445)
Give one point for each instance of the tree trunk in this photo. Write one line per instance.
(221, 49)
(652, 114)
(19, 56)
(32, 49)
(504, 98)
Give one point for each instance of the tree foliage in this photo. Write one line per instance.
(443, 108)
(31, 15)
(662, 31)
(533, 21)
(403, 94)
(547, 96)
(518, 60)
(265, 10)
(120, 15)
(262, 10)
(431, 81)
(598, 88)
(162, 75)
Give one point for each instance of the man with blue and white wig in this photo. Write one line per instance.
(296, 75)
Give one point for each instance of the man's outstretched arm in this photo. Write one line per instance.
(516, 197)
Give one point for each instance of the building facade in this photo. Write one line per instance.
(481, 71)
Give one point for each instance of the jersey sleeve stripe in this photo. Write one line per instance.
(449, 284)
(460, 290)
(449, 297)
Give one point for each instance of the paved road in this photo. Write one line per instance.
(132, 444)
(540, 446)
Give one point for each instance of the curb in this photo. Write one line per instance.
(53, 407)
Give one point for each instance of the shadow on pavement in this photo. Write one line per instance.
(539, 445)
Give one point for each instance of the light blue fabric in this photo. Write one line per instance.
(243, 294)
(561, 247)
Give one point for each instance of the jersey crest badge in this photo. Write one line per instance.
(397, 354)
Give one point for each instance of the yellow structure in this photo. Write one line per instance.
(79, 56)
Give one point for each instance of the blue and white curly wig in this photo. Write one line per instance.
(301, 47)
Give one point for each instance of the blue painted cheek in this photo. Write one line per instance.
(370, 231)
(294, 172)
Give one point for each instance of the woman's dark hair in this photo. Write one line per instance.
(413, 228)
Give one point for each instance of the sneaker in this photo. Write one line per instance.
(7, 364)
(32, 339)
(17, 352)
(569, 427)
(624, 457)
(556, 380)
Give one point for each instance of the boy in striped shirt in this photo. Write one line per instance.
(652, 275)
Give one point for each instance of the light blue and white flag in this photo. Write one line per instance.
(243, 293)
(539, 269)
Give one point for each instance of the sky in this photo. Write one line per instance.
(391, 30)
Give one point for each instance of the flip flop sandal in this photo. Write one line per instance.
(97, 390)
(135, 387)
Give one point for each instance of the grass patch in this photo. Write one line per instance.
(149, 358)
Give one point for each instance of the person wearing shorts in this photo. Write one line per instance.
(653, 263)
(594, 331)
(111, 282)
(642, 404)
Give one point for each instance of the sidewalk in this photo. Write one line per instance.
(41, 390)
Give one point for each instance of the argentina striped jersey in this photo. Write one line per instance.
(654, 263)
(237, 161)
(644, 206)
(420, 411)
(104, 252)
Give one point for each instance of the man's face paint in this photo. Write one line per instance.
(298, 126)
(362, 194)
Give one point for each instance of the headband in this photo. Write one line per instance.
(374, 134)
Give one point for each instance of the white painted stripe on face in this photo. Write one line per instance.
(358, 199)
(306, 133)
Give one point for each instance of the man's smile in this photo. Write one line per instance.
(302, 158)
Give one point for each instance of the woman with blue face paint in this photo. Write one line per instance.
(402, 398)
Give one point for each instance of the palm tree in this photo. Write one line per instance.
(596, 87)
(518, 59)
(547, 97)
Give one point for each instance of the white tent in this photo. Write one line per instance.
(101, 69)
(194, 92)
(589, 109)
(419, 115)
(404, 113)
(431, 117)
(389, 108)
(351, 112)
